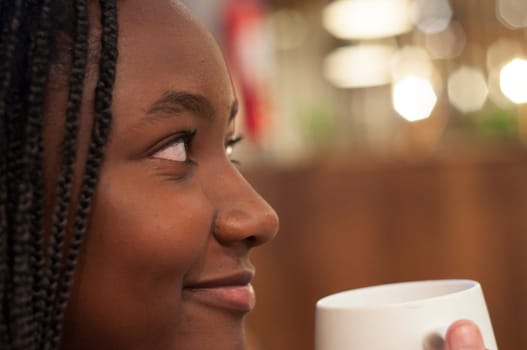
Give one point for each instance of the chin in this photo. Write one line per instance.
(210, 328)
(225, 341)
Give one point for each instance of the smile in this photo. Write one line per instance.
(234, 293)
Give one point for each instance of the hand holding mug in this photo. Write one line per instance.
(422, 315)
(464, 335)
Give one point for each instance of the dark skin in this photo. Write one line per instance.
(161, 224)
(171, 211)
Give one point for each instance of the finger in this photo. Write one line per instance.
(464, 335)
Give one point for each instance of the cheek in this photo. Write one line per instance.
(147, 224)
(144, 236)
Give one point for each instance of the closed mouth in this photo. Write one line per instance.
(233, 292)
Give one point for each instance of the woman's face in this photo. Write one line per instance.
(165, 263)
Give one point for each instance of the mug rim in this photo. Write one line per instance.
(331, 302)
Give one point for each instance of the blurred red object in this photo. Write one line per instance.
(247, 49)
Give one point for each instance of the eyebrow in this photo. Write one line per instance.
(175, 102)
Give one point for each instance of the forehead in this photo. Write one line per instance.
(161, 48)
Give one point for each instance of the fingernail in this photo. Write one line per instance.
(465, 337)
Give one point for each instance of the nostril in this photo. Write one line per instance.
(252, 240)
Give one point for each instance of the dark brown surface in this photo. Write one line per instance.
(363, 222)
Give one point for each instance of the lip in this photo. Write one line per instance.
(233, 293)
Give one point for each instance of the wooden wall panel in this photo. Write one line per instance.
(363, 222)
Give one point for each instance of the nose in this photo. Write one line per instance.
(243, 215)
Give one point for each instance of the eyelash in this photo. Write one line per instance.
(187, 138)
(229, 146)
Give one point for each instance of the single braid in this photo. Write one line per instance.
(64, 186)
(30, 206)
(10, 29)
(100, 133)
(13, 173)
(3, 232)
(8, 45)
(18, 281)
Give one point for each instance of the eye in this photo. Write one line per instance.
(176, 149)
(230, 144)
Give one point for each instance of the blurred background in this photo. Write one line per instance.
(390, 136)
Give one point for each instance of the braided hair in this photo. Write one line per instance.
(36, 272)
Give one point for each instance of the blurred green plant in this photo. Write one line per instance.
(497, 123)
(318, 125)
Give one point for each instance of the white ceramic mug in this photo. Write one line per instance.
(400, 316)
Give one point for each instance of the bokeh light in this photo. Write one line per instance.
(512, 13)
(467, 89)
(411, 60)
(446, 44)
(513, 80)
(501, 52)
(431, 16)
(359, 66)
(367, 19)
(414, 98)
(415, 61)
